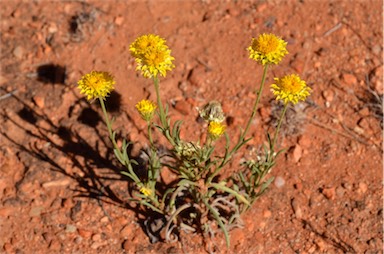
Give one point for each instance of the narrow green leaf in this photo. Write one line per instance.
(216, 215)
(230, 191)
(265, 185)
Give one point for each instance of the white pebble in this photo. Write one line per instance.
(279, 182)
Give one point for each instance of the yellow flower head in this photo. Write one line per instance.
(267, 49)
(290, 88)
(141, 44)
(216, 130)
(146, 109)
(96, 84)
(146, 191)
(152, 55)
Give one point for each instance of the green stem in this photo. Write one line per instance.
(241, 141)
(109, 125)
(254, 110)
(149, 126)
(119, 153)
(159, 103)
(278, 127)
(163, 116)
(154, 208)
(217, 217)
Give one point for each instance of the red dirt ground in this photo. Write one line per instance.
(59, 190)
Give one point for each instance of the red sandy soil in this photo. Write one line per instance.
(60, 190)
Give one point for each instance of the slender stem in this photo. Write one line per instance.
(116, 147)
(254, 110)
(150, 206)
(160, 104)
(149, 125)
(278, 127)
(242, 135)
(163, 116)
(109, 125)
(208, 141)
(217, 217)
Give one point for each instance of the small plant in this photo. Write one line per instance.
(200, 196)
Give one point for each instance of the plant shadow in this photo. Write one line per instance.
(94, 167)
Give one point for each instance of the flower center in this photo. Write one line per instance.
(155, 57)
(290, 85)
(94, 82)
(267, 44)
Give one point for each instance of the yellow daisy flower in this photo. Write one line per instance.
(141, 44)
(146, 109)
(267, 49)
(96, 84)
(216, 130)
(290, 88)
(153, 57)
(146, 191)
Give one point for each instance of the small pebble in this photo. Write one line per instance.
(329, 193)
(48, 237)
(316, 200)
(265, 113)
(6, 211)
(328, 95)
(305, 141)
(183, 107)
(298, 186)
(364, 112)
(96, 245)
(18, 52)
(7, 247)
(363, 187)
(267, 214)
(119, 20)
(363, 123)
(298, 65)
(297, 153)
(262, 6)
(320, 244)
(126, 230)
(78, 240)
(127, 245)
(340, 191)
(317, 64)
(39, 101)
(52, 28)
(262, 224)
(70, 228)
(347, 186)
(55, 245)
(279, 182)
(312, 249)
(349, 79)
(36, 211)
(105, 219)
(297, 209)
(376, 49)
(57, 183)
(84, 233)
(96, 237)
